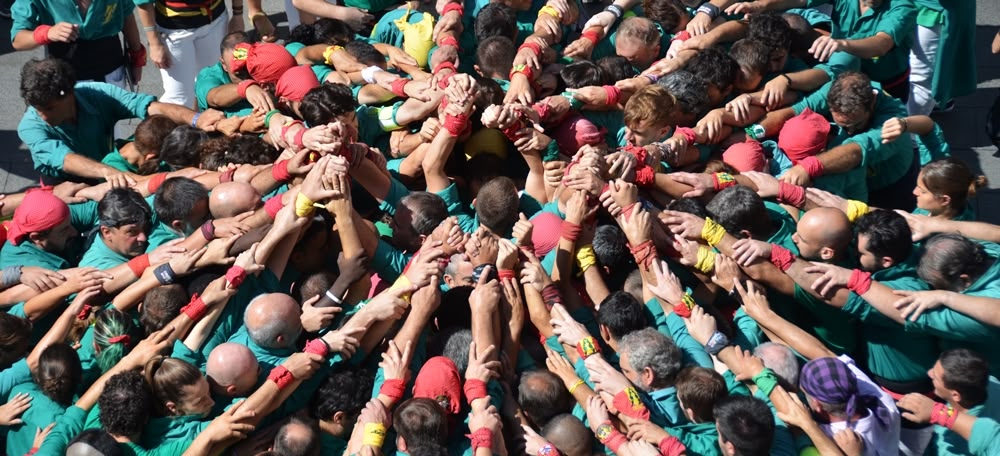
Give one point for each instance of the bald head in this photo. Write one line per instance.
(823, 234)
(232, 198)
(569, 435)
(232, 369)
(272, 320)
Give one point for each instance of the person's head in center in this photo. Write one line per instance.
(716, 66)
(272, 321)
(619, 314)
(823, 234)
(416, 217)
(43, 220)
(884, 240)
(649, 115)
(741, 212)
(945, 186)
(229, 199)
(226, 50)
(331, 102)
(649, 359)
(125, 220)
(495, 57)
(178, 387)
(48, 86)
(638, 40)
(953, 262)
(852, 102)
(497, 205)
(752, 56)
(232, 370)
(182, 204)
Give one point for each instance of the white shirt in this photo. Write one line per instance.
(880, 429)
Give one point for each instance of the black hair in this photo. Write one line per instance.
(947, 257)
(747, 423)
(851, 93)
(124, 206)
(888, 235)
(616, 68)
(621, 314)
(231, 40)
(177, 197)
(496, 19)
(454, 311)
(771, 29)
(715, 66)
(611, 249)
(968, 373)
(251, 150)
(583, 73)
(180, 147)
(542, 396)
(666, 13)
(58, 373)
(688, 205)
(45, 81)
(689, 89)
(365, 53)
(15, 338)
(161, 305)
(751, 55)
(497, 205)
(323, 104)
(343, 391)
(740, 208)
(323, 31)
(495, 56)
(99, 440)
(428, 211)
(125, 404)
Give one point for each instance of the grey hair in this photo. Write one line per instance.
(456, 348)
(649, 348)
(268, 333)
(781, 360)
(690, 91)
(453, 263)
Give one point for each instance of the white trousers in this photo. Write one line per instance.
(190, 50)
(923, 57)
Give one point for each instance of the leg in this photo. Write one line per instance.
(923, 57)
(207, 40)
(178, 80)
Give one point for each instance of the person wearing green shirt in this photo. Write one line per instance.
(51, 390)
(942, 61)
(122, 235)
(217, 86)
(962, 379)
(69, 126)
(140, 154)
(944, 188)
(44, 232)
(640, 40)
(180, 207)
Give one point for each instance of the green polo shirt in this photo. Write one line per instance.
(983, 439)
(161, 430)
(167, 449)
(701, 438)
(42, 412)
(896, 18)
(100, 256)
(948, 443)
(214, 76)
(893, 353)
(83, 217)
(99, 107)
(231, 320)
(932, 146)
(827, 323)
(839, 62)
(104, 18)
(957, 330)
(115, 160)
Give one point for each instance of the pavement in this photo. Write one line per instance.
(964, 126)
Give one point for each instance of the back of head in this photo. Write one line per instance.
(652, 105)
(569, 435)
(229, 199)
(621, 313)
(93, 442)
(966, 372)
(428, 211)
(802, 33)
(125, 404)
(299, 437)
(456, 342)
(230, 41)
(124, 206)
(753, 56)
(345, 391)
(887, 233)
(323, 104)
(771, 29)
(542, 396)
(834, 385)
(851, 94)
(688, 205)
(180, 148)
(699, 389)
(45, 81)
(313, 285)
(949, 256)
(739, 209)
(214, 153)
(15, 338)
(781, 360)
(666, 13)
(112, 337)
(648, 348)
(149, 137)
(690, 90)
(952, 177)
(233, 368)
(177, 198)
(365, 53)
(272, 320)
(611, 250)
(495, 56)
(167, 379)
(581, 73)
(497, 205)
(423, 425)
(746, 423)
(160, 306)
(496, 19)
(615, 68)
(639, 29)
(715, 66)
(58, 373)
(323, 31)
(251, 150)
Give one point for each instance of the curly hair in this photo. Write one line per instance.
(851, 94)
(45, 81)
(251, 150)
(124, 404)
(771, 29)
(58, 373)
(214, 153)
(325, 103)
(180, 147)
(715, 66)
(345, 391)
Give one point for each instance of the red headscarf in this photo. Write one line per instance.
(547, 227)
(265, 62)
(39, 211)
(439, 379)
(296, 83)
(574, 132)
(804, 135)
(745, 156)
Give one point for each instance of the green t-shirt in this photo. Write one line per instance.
(896, 19)
(214, 76)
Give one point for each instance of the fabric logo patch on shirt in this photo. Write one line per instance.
(109, 12)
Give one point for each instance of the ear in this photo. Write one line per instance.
(339, 417)
(826, 253)
(478, 71)
(887, 263)
(35, 237)
(745, 234)
(177, 225)
(728, 448)
(945, 200)
(171, 407)
(690, 415)
(473, 202)
(965, 281)
(400, 444)
(104, 231)
(955, 397)
(231, 390)
(605, 334)
(648, 376)
(150, 156)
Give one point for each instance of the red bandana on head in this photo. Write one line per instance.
(439, 381)
(39, 211)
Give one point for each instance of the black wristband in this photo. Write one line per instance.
(616, 10)
(165, 274)
(708, 8)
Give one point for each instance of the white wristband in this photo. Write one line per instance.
(368, 74)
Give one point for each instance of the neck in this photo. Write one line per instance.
(946, 214)
(330, 428)
(130, 153)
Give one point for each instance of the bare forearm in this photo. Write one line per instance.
(176, 113)
(78, 165)
(433, 164)
(841, 159)
(224, 96)
(24, 40)
(871, 47)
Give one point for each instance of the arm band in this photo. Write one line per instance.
(164, 274)
(139, 264)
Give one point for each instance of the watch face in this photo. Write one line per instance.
(603, 432)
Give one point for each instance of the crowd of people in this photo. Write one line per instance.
(498, 227)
